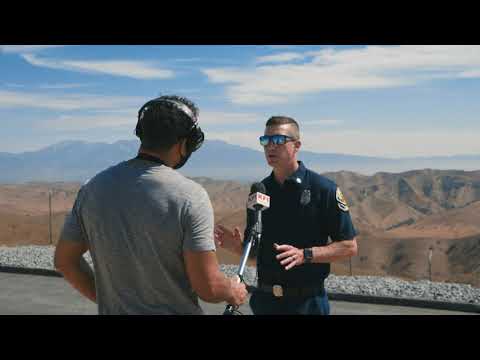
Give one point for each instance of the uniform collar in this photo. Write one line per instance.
(297, 178)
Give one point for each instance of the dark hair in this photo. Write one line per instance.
(284, 120)
(164, 121)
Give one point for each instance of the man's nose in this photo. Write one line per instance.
(271, 145)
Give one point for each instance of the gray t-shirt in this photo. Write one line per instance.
(137, 218)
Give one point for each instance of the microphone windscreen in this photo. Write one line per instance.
(258, 187)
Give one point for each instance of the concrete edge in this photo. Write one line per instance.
(29, 271)
(421, 303)
(367, 299)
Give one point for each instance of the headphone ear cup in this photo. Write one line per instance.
(139, 127)
(138, 130)
(195, 139)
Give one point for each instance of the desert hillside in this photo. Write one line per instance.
(399, 218)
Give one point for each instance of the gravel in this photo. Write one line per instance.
(41, 257)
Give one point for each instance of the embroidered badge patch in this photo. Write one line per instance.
(305, 198)
(341, 202)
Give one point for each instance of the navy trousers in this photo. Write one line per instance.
(263, 303)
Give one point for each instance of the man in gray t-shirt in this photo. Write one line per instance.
(148, 228)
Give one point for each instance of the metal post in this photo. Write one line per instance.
(430, 262)
(50, 215)
(350, 259)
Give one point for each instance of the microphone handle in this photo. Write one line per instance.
(255, 233)
(229, 309)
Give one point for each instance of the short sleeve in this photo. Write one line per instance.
(72, 229)
(340, 221)
(198, 223)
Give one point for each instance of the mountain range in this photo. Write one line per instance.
(399, 217)
(78, 161)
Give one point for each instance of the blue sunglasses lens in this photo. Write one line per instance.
(264, 140)
(275, 139)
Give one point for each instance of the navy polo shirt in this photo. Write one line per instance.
(305, 211)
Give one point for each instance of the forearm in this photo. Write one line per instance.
(336, 251)
(81, 277)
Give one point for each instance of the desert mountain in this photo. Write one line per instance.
(399, 218)
(78, 161)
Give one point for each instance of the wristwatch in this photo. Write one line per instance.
(308, 255)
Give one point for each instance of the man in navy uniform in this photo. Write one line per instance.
(306, 210)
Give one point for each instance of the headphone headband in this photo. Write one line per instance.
(179, 105)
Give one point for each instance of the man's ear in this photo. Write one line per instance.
(183, 147)
(298, 145)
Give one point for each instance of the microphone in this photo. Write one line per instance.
(257, 200)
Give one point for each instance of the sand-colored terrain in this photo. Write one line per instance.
(399, 218)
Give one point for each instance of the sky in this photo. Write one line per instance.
(387, 101)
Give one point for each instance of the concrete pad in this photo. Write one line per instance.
(22, 294)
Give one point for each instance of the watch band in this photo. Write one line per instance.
(308, 255)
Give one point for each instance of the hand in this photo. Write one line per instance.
(291, 255)
(227, 239)
(239, 292)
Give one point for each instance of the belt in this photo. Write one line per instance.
(280, 291)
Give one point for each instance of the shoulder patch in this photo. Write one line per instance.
(341, 202)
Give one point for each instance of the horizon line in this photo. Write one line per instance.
(420, 157)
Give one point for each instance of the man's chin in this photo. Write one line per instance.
(271, 163)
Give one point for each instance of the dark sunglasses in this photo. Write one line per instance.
(275, 139)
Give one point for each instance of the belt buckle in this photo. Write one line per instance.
(277, 290)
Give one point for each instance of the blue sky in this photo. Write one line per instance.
(391, 101)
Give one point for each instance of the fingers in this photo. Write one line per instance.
(222, 228)
(240, 291)
(288, 256)
(285, 254)
(218, 231)
(236, 232)
(218, 238)
(283, 247)
(292, 264)
(219, 235)
(289, 259)
(226, 238)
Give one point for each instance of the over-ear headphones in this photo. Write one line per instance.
(194, 136)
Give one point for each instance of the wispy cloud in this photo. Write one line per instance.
(321, 122)
(15, 99)
(226, 118)
(64, 86)
(134, 69)
(26, 48)
(52, 86)
(281, 47)
(118, 118)
(470, 74)
(188, 60)
(282, 57)
(14, 85)
(347, 69)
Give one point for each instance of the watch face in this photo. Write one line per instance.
(308, 254)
